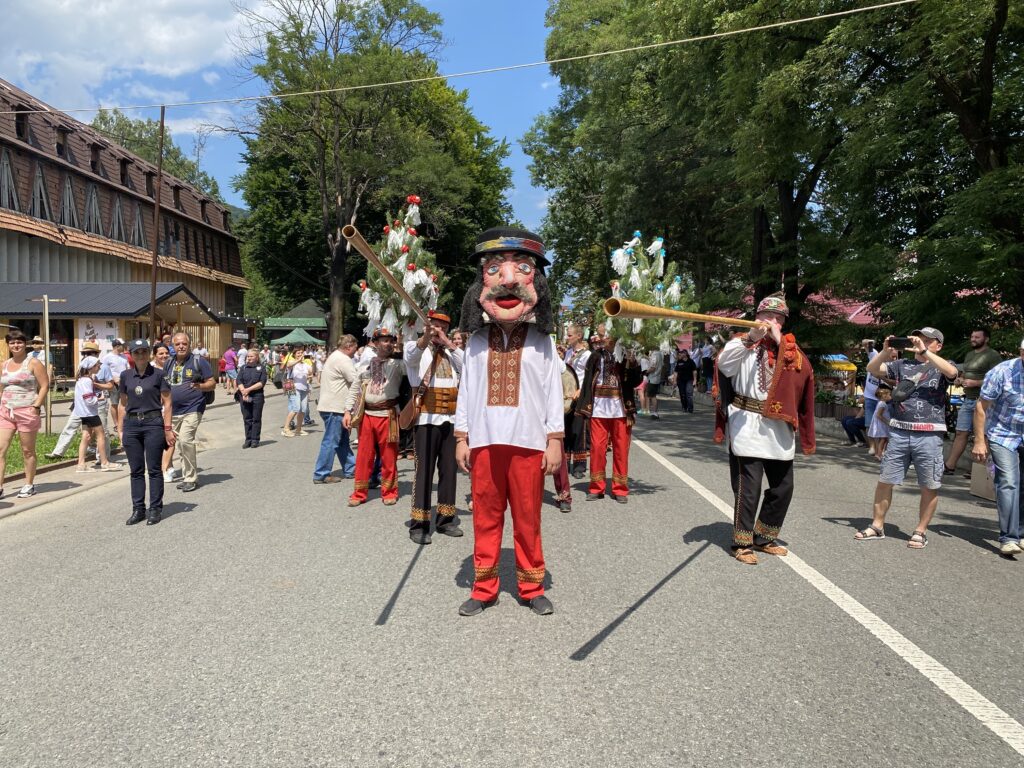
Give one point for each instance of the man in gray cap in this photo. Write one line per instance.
(917, 428)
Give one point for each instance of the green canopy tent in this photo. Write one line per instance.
(297, 336)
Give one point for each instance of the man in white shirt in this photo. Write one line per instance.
(508, 420)
(118, 364)
(577, 442)
(433, 364)
(655, 363)
(338, 387)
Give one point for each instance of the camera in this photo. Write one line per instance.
(900, 342)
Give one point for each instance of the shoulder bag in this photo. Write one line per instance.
(411, 412)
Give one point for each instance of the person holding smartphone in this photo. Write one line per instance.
(917, 427)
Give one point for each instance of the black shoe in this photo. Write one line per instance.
(620, 499)
(449, 526)
(245, 444)
(579, 472)
(595, 496)
(188, 487)
(474, 607)
(565, 506)
(541, 606)
(138, 516)
(153, 517)
(374, 484)
(419, 535)
(254, 443)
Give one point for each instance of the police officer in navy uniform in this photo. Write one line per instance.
(145, 430)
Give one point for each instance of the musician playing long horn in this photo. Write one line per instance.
(770, 405)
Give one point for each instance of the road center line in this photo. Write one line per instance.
(987, 713)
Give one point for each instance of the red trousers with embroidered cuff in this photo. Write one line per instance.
(505, 476)
(373, 436)
(601, 430)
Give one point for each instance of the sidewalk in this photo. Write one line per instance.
(221, 425)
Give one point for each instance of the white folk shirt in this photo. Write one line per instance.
(578, 361)
(417, 365)
(607, 407)
(510, 393)
(751, 434)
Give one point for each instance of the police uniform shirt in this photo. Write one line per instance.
(143, 390)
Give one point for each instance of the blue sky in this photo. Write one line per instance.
(75, 54)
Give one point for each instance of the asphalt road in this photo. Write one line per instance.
(264, 623)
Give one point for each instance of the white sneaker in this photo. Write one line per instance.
(30, 490)
(1007, 548)
(169, 476)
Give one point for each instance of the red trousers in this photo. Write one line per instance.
(505, 476)
(373, 436)
(600, 431)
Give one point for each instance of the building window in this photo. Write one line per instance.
(188, 244)
(117, 222)
(62, 142)
(94, 158)
(21, 124)
(165, 244)
(124, 172)
(202, 211)
(8, 189)
(177, 198)
(177, 241)
(207, 250)
(227, 221)
(195, 242)
(93, 219)
(139, 230)
(150, 188)
(68, 208)
(40, 205)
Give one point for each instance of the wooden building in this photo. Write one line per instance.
(77, 208)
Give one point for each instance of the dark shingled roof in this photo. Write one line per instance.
(89, 299)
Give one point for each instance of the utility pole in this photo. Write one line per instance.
(156, 226)
(46, 354)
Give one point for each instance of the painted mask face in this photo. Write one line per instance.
(509, 295)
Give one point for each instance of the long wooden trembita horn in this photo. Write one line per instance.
(351, 234)
(625, 309)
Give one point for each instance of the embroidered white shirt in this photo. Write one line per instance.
(417, 365)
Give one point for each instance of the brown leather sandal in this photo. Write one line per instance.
(745, 555)
(771, 548)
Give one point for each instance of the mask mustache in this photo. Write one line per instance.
(499, 291)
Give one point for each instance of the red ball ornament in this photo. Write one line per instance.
(398, 224)
(412, 231)
(434, 278)
(411, 267)
(405, 249)
(413, 199)
(386, 229)
(362, 284)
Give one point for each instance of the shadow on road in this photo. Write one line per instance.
(177, 507)
(581, 653)
(205, 479)
(393, 600)
(719, 534)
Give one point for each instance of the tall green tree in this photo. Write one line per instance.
(343, 153)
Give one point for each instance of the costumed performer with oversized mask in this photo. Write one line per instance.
(509, 416)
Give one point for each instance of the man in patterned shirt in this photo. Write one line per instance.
(999, 432)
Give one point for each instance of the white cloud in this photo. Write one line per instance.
(76, 54)
(549, 84)
(210, 77)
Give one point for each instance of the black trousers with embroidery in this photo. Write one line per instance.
(435, 450)
(746, 474)
(577, 439)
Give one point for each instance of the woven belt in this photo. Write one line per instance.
(602, 390)
(748, 404)
(440, 400)
(383, 405)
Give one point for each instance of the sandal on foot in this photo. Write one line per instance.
(772, 548)
(871, 533)
(745, 555)
(918, 540)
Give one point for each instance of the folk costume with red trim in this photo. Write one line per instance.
(509, 406)
(377, 421)
(764, 402)
(607, 402)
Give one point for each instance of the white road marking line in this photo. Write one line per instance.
(987, 713)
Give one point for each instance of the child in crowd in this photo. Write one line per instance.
(879, 427)
(87, 409)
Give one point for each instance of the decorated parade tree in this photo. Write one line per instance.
(401, 248)
(645, 277)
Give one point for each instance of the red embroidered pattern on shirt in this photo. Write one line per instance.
(503, 366)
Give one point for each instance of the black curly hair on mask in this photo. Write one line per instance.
(472, 318)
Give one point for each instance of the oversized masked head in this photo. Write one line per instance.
(511, 287)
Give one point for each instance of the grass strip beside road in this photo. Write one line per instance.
(44, 444)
